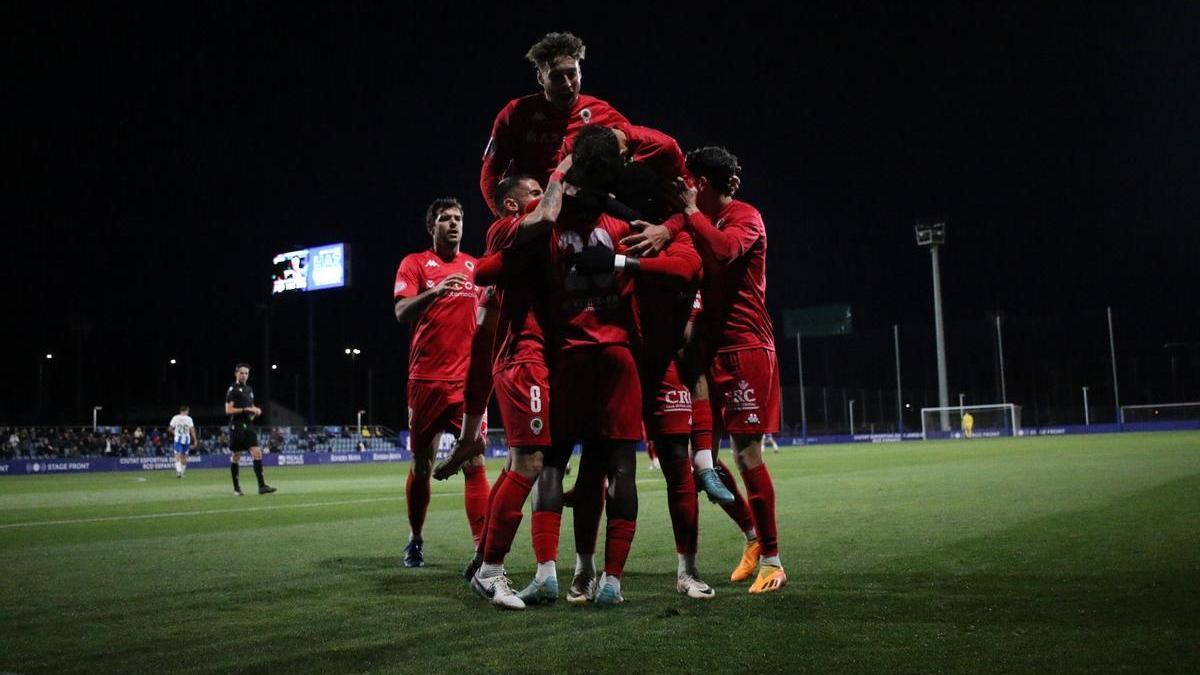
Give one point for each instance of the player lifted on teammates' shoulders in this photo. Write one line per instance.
(239, 405)
(183, 429)
(529, 131)
(737, 336)
(436, 292)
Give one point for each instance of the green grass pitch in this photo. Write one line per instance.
(1036, 554)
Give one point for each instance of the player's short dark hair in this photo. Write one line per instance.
(439, 205)
(505, 187)
(596, 159)
(716, 164)
(554, 45)
(184, 408)
(240, 366)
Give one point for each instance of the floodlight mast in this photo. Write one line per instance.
(933, 235)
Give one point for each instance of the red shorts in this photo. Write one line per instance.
(744, 388)
(523, 394)
(667, 409)
(597, 395)
(434, 406)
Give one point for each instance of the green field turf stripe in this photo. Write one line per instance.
(178, 514)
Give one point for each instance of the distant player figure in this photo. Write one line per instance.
(184, 431)
(769, 439)
(529, 131)
(435, 291)
(968, 425)
(239, 405)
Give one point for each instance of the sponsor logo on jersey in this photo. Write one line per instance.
(536, 425)
(677, 400)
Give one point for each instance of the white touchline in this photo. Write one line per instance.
(181, 514)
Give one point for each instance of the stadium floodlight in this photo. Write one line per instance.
(173, 361)
(274, 366)
(997, 419)
(933, 235)
(49, 356)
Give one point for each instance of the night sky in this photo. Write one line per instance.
(158, 159)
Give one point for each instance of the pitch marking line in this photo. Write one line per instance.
(209, 512)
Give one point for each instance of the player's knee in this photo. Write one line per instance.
(422, 467)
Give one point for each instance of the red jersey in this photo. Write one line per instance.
(591, 310)
(734, 250)
(441, 338)
(666, 304)
(522, 299)
(529, 131)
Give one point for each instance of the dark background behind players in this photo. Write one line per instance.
(1060, 141)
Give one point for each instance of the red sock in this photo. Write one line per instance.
(762, 503)
(416, 496)
(702, 426)
(506, 517)
(738, 509)
(545, 535)
(487, 512)
(589, 506)
(616, 545)
(682, 503)
(476, 496)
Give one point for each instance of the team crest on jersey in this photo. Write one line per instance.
(470, 265)
(586, 115)
(431, 263)
(536, 425)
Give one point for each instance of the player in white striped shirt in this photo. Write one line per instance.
(184, 431)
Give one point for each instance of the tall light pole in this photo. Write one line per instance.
(933, 235)
(95, 409)
(353, 353)
(41, 385)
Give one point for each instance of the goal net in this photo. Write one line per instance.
(1161, 412)
(971, 421)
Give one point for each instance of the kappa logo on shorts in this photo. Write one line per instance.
(752, 419)
(536, 425)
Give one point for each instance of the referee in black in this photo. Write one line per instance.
(239, 405)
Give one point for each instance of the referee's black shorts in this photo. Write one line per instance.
(242, 438)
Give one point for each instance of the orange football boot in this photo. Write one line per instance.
(749, 563)
(771, 578)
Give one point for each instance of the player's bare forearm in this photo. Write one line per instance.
(411, 309)
(540, 220)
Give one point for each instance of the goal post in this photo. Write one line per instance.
(1186, 411)
(971, 421)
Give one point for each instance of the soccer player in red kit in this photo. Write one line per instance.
(529, 131)
(435, 291)
(522, 385)
(597, 384)
(736, 333)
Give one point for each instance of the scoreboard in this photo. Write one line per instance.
(311, 269)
